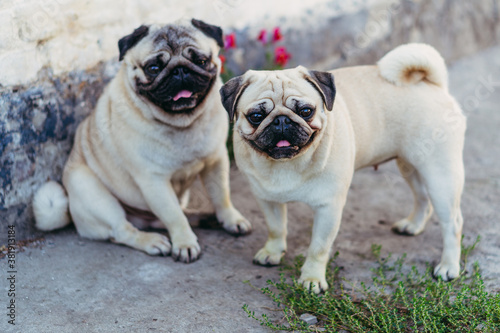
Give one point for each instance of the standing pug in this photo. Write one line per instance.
(157, 126)
(295, 145)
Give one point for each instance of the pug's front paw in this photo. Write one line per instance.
(234, 223)
(407, 227)
(185, 248)
(186, 253)
(266, 258)
(447, 271)
(316, 285)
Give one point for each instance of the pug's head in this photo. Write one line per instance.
(174, 66)
(279, 113)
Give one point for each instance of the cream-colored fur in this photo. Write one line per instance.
(128, 151)
(377, 115)
(411, 63)
(50, 205)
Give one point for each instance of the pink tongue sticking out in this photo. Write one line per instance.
(283, 143)
(183, 94)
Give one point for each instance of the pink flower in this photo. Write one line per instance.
(223, 61)
(281, 56)
(230, 41)
(277, 36)
(262, 36)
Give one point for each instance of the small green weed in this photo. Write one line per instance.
(395, 301)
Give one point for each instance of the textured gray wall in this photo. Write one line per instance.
(37, 125)
(37, 122)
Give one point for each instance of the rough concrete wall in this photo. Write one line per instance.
(38, 119)
(37, 125)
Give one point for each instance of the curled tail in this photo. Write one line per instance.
(411, 63)
(50, 206)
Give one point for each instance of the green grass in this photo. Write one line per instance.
(398, 299)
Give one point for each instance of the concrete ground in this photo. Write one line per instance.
(70, 284)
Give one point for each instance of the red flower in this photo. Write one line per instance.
(262, 36)
(281, 56)
(230, 41)
(277, 36)
(222, 61)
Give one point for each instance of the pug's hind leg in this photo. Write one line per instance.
(215, 177)
(414, 224)
(445, 185)
(326, 226)
(97, 214)
(184, 199)
(276, 217)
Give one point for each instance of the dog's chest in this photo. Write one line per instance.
(188, 172)
(287, 187)
(276, 191)
(180, 152)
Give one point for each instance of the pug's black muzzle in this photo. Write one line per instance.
(163, 90)
(283, 138)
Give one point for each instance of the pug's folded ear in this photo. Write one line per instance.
(209, 30)
(129, 41)
(230, 94)
(325, 84)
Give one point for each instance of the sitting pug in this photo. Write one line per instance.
(300, 137)
(157, 126)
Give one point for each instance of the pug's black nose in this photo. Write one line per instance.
(180, 72)
(281, 123)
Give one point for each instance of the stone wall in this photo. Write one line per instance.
(56, 56)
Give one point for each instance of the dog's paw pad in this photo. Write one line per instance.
(446, 272)
(407, 228)
(186, 253)
(266, 258)
(156, 244)
(315, 285)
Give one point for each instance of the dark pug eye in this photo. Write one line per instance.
(255, 118)
(305, 112)
(153, 70)
(201, 62)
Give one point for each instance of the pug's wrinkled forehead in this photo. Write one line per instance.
(182, 38)
(279, 88)
(296, 93)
